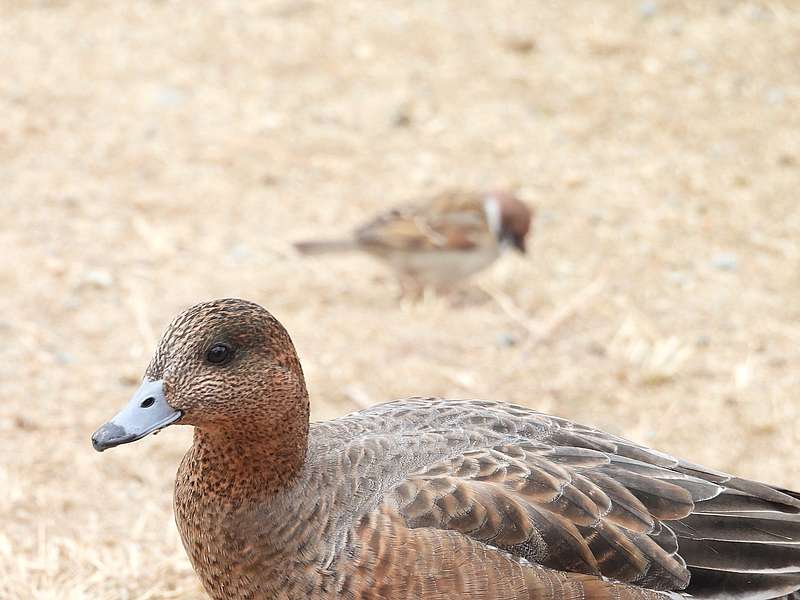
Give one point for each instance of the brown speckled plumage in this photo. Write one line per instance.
(431, 499)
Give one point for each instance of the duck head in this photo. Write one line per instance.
(224, 366)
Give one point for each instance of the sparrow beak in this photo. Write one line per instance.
(514, 241)
(146, 412)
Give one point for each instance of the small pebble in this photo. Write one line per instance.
(648, 9)
(268, 180)
(725, 261)
(521, 44)
(776, 95)
(402, 117)
(64, 358)
(99, 278)
(168, 97)
(597, 216)
(506, 339)
(678, 277)
(239, 252)
(597, 349)
(24, 423)
(760, 13)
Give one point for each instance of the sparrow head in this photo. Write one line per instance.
(509, 218)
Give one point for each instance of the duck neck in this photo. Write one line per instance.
(257, 456)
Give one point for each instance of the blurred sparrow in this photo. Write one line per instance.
(440, 242)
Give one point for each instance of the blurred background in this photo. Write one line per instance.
(156, 154)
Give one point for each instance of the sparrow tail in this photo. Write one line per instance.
(325, 246)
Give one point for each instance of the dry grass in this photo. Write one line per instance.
(154, 154)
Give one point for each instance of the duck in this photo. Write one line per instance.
(431, 499)
(440, 241)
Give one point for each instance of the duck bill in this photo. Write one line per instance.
(146, 412)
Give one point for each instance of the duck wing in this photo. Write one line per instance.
(578, 512)
(393, 561)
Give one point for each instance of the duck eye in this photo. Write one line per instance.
(219, 354)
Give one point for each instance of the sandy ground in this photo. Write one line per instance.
(156, 154)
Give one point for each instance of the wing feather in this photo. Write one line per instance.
(572, 499)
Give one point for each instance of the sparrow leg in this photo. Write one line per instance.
(410, 287)
(463, 295)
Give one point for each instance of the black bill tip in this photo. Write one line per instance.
(146, 412)
(110, 435)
